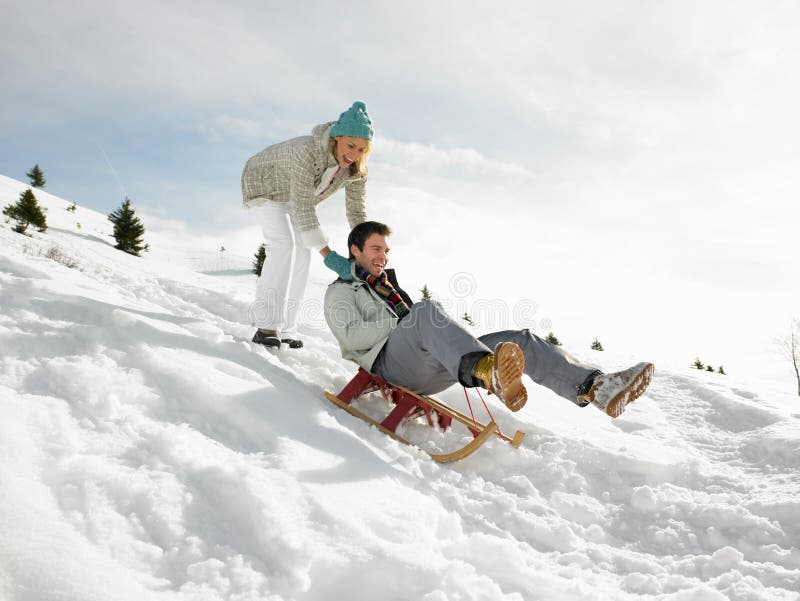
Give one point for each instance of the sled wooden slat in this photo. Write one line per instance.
(462, 418)
(409, 405)
(464, 451)
(353, 411)
(468, 449)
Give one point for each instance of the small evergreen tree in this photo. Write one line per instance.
(128, 229)
(468, 319)
(258, 262)
(698, 364)
(26, 212)
(426, 294)
(596, 346)
(36, 176)
(551, 338)
(709, 368)
(72, 208)
(721, 371)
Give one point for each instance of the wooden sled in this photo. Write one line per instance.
(410, 405)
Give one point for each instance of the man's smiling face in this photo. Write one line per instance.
(374, 256)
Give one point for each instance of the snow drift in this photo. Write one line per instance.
(150, 451)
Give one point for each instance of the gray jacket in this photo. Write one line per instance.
(359, 319)
(291, 171)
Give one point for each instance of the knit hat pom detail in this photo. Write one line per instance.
(354, 122)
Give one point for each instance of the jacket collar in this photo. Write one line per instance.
(322, 134)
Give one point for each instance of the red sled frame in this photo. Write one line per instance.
(410, 405)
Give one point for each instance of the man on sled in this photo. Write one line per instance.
(421, 348)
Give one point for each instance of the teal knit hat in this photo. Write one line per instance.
(354, 122)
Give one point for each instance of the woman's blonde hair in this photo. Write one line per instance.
(359, 166)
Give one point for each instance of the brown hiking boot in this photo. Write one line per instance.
(501, 374)
(611, 393)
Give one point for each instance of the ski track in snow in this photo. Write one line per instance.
(152, 452)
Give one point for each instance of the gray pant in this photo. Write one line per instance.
(425, 350)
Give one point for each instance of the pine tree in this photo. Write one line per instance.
(709, 368)
(721, 371)
(128, 229)
(26, 212)
(551, 338)
(36, 176)
(698, 364)
(596, 346)
(468, 319)
(260, 255)
(72, 208)
(426, 294)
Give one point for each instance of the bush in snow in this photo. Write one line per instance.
(54, 253)
(26, 212)
(790, 348)
(128, 229)
(596, 346)
(551, 338)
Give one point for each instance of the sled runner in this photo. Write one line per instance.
(409, 405)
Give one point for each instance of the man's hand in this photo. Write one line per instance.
(336, 262)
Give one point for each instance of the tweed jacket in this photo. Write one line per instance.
(291, 171)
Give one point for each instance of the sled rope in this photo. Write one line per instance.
(485, 406)
(410, 405)
(471, 413)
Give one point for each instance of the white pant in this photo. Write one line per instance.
(282, 285)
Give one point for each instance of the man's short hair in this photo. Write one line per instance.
(360, 233)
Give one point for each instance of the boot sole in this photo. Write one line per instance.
(616, 406)
(509, 364)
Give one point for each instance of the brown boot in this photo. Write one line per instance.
(501, 373)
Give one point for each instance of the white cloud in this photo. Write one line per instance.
(573, 138)
(613, 78)
(225, 128)
(412, 156)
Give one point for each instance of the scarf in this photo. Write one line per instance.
(382, 287)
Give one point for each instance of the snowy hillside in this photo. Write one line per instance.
(150, 451)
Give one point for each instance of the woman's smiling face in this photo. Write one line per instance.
(349, 150)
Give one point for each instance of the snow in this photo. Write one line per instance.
(150, 451)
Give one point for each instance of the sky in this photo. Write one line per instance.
(627, 170)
